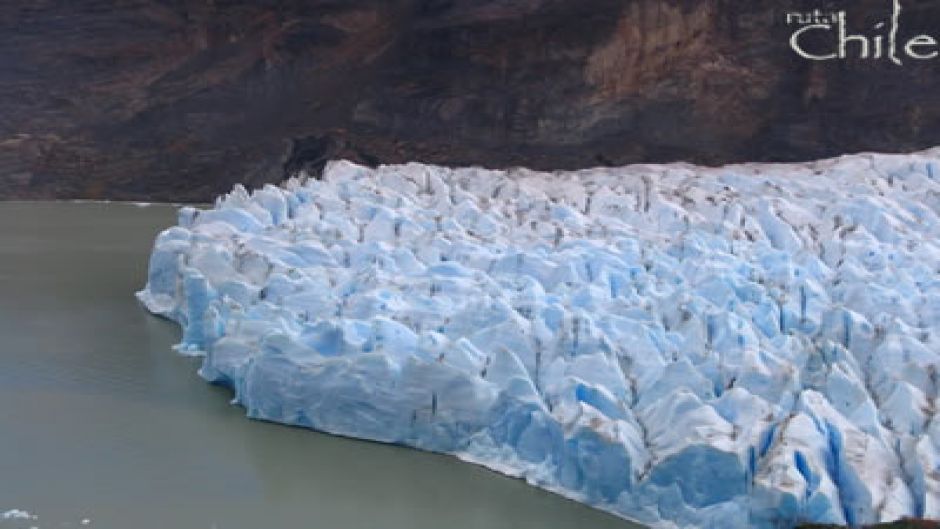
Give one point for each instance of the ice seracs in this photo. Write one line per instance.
(746, 346)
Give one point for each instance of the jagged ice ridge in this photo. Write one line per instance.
(746, 346)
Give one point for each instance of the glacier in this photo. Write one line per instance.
(753, 345)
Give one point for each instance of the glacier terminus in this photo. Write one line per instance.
(746, 346)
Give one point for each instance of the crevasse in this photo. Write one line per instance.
(746, 346)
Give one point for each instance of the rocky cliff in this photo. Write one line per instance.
(180, 99)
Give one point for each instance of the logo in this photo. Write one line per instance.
(833, 39)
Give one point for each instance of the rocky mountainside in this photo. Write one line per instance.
(179, 99)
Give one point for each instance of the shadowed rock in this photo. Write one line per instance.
(179, 100)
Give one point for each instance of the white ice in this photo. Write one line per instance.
(16, 514)
(736, 347)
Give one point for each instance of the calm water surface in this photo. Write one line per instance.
(99, 420)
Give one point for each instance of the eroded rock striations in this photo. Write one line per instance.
(179, 100)
(748, 346)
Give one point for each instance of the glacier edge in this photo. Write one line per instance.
(745, 346)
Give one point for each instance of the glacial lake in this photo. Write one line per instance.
(102, 425)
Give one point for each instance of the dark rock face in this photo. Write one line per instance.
(179, 99)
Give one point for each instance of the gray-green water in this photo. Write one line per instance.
(99, 420)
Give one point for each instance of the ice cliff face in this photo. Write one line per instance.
(748, 346)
